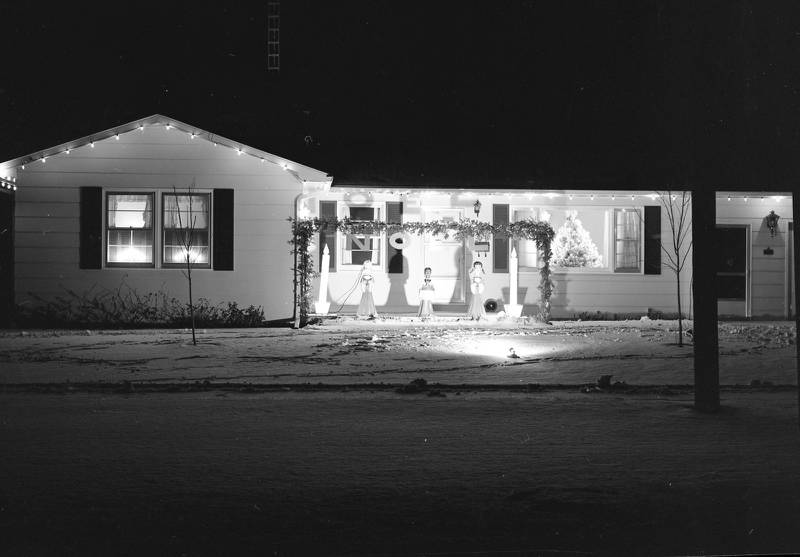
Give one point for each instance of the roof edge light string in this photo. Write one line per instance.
(141, 128)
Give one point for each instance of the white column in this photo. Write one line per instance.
(513, 309)
(323, 305)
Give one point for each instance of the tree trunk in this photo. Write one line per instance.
(795, 290)
(191, 302)
(680, 312)
(706, 340)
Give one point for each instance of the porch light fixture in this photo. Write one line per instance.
(477, 208)
(772, 222)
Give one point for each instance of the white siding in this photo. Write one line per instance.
(156, 159)
(768, 273)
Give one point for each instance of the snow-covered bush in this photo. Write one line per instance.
(126, 308)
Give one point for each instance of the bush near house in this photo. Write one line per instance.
(125, 308)
(611, 316)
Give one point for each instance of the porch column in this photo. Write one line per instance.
(323, 305)
(513, 309)
(706, 340)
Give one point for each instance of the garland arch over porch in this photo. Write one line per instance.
(303, 231)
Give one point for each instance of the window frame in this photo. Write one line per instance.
(639, 212)
(163, 230)
(344, 212)
(107, 229)
(607, 245)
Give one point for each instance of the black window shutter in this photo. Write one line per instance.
(223, 229)
(91, 228)
(327, 210)
(652, 240)
(394, 215)
(500, 241)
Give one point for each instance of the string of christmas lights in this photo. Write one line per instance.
(7, 183)
(549, 195)
(67, 148)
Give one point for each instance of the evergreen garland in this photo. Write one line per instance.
(303, 231)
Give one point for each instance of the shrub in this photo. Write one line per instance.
(610, 316)
(126, 308)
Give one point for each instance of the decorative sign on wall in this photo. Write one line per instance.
(482, 248)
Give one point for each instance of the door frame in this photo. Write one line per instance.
(459, 297)
(748, 268)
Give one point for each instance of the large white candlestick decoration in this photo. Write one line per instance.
(512, 276)
(514, 309)
(322, 304)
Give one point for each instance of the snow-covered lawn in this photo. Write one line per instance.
(480, 469)
(395, 351)
(359, 473)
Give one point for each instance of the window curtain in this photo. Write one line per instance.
(629, 229)
(179, 213)
(130, 211)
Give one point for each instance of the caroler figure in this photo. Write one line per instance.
(476, 286)
(366, 308)
(426, 291)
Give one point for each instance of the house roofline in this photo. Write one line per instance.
(303, 172)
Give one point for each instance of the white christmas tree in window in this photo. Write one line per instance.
(573, 245)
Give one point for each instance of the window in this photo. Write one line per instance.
(598, 239)
(627, 241)
(129, 229)
(581, 240)
(186, 229)
(362, 247)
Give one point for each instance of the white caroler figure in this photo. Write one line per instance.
(476, 286)
(366, 308)
(426, 291)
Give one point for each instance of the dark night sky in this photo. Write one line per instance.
(530, 92)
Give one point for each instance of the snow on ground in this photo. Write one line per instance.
(230, 470)
(395, 351)
(358, 473)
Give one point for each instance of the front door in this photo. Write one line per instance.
(733, 271)
(445, 257)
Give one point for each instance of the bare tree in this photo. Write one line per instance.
(678, 208)
(186, 239)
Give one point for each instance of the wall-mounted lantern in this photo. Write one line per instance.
(477, 208)
(772, 223)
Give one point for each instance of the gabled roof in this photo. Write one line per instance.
(304, 173)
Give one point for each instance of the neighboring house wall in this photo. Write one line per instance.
(577, 290)
(767, 274)
(47, 240)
